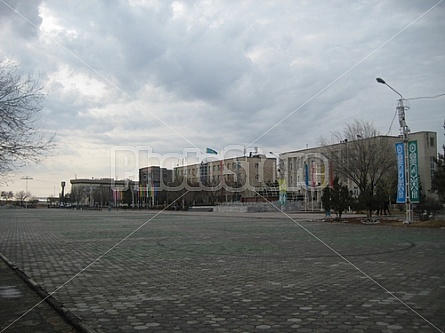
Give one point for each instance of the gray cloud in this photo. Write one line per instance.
(21, 17)
(178, 74)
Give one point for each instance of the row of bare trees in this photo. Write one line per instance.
(19, 198)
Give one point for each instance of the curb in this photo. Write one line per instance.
(71, 318)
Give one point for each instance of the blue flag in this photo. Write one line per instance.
(211, 151)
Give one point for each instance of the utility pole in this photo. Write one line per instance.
(26, 193)
(405, 131)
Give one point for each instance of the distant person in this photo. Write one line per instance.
(327, 213)
(380, 208)
(386, 208)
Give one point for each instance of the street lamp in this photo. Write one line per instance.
(405, 131)
(62, 196)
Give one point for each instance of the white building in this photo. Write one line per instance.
(308, 171)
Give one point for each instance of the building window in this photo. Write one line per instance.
(432, 166)
(257, 165)
(431, 142)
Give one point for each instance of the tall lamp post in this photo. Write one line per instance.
(62, 195)
(405, 131)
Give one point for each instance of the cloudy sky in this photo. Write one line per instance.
(167, 77)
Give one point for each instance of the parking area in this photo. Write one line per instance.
(207, 272)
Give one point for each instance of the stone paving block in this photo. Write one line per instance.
(238, 273)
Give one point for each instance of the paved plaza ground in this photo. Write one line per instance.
(207, 272)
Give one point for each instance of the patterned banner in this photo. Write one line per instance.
(414, 190)
(400, 153)
(283, 191)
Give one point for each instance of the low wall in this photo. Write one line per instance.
(256, 207)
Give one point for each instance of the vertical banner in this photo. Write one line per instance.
(413, 172)
(400, 153)
(283, 191)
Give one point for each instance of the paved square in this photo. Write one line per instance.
(207, 272)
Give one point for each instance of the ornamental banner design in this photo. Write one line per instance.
(400, 153)
(414, 190)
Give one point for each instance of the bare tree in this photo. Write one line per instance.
(79, 193)
(365, 157)
(21, 100)
(7, 196)
(21, 197)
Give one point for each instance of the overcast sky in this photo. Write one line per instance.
(172, 76)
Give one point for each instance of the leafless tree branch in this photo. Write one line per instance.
(21, 100)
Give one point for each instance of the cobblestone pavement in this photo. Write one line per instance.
(206, 272)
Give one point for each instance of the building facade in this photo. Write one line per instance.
(99, 192)
(236, 178)
(308, 171)
(155, 176)
(153, 181)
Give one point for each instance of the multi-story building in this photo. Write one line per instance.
(308, 171)
(155, 176)
(152, 181)
(427, 155)
(99, 191)
(238, 177)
